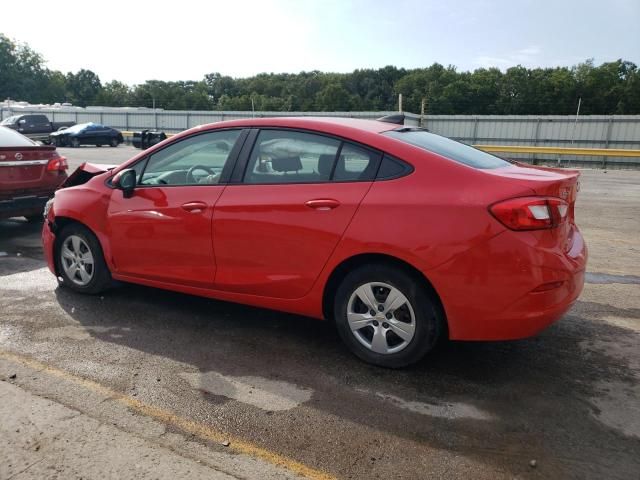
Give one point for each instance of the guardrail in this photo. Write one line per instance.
(599, 152)
(596, 152)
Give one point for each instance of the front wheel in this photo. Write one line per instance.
(38, 218)
(75, 142)
(114, 142)
(79, 260)
(386, 316)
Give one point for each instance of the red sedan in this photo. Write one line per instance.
(29, 174)
(400, 236)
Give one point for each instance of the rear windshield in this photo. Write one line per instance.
(11, 138)
(448, 148)
(10, 120)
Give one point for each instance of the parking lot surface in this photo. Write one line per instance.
(250, 393)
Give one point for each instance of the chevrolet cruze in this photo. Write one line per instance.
(400, 236)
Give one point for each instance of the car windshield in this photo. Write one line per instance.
(11, 138)
(78, 128)
(10, 120)
(448, 148)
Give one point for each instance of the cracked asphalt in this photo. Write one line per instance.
(189, 372)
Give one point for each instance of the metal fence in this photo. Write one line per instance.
(588, 131)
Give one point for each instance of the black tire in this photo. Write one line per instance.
(74, 142)
(114, 142)
(101, 279)
(98, 144)
(429, 319)
(37, 218)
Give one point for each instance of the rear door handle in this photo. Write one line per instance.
(323, 204)
(194, 207)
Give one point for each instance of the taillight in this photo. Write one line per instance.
(57, 164)
(530, 213)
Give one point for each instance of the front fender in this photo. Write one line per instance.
(86, 204)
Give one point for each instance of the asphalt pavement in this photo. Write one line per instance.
(196, 384)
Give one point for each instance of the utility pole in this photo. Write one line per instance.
(400, 102)
(423, 108)
(575, 126)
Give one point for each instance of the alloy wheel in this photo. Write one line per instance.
(77, 260)
(381, 317)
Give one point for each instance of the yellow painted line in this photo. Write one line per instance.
(203, 431)
(607, 152)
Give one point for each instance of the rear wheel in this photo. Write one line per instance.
(386, 316)
(114, 142)
(80, 261)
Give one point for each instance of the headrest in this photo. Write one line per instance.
(286, 164)
(325, 164)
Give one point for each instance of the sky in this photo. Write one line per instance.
(136, 41)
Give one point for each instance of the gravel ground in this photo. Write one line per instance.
(561, 405)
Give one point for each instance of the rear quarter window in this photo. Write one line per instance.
(456, 151)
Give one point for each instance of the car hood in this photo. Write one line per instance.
(60, 133)
(85, 172)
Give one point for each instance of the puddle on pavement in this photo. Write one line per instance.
(448, 410)
(616, 399)
(619, 407)
(74, 332)
(270, 395)
(604, 278)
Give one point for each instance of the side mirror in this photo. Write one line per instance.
(224, 146)
(125, 180)
(22, 121)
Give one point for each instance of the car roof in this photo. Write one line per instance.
(312, 123)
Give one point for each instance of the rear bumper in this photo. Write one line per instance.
(48, 240)
(23, 206)
(509, 288)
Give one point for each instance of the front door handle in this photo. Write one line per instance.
(194, 207)
(323, 204)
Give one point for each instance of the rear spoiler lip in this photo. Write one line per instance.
(567, 172)
(29, 148)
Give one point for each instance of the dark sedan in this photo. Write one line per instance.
(87, 134)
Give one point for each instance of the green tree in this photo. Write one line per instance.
(114, 94)
(83, 87)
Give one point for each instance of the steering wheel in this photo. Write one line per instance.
(192, 179)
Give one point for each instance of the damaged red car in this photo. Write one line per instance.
(29, 174)
(400, 236)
